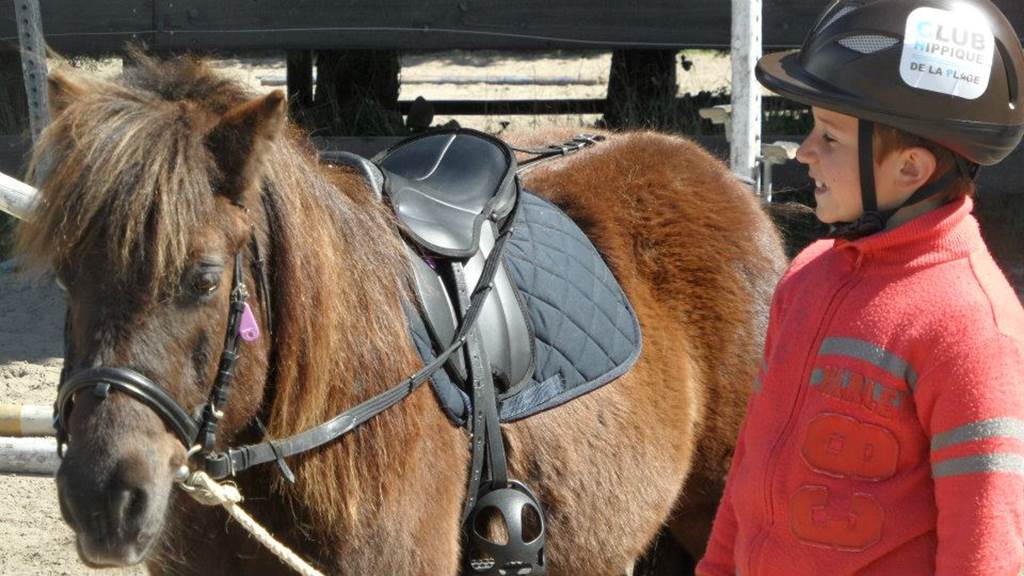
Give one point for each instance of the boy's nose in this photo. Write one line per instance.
(804, 153)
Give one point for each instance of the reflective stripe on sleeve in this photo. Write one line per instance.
(979, 464)
(980, 430)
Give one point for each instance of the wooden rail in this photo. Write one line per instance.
(76, 27)
(999, 180)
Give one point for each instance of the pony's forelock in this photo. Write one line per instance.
(100, 191)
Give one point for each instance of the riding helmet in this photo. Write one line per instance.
(950, 71)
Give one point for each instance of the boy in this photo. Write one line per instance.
(885, 434)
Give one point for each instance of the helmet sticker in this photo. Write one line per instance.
(949, 52)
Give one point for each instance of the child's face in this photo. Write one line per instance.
(830, 152)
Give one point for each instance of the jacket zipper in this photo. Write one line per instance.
(794, 410)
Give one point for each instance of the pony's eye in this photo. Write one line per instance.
(205, 283)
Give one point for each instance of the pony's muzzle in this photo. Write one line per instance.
(116, 519)
(115, 501)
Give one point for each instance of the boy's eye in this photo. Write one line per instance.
(828, 138)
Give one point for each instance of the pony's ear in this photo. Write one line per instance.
(240, 140)
(62, 90)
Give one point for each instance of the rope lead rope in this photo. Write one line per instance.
(209, 492)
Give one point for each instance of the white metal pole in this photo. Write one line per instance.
(745, 141)
(20, 420)
(29, 456)
(17, 198)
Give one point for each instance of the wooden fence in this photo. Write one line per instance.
(73, 27)
(76, 27)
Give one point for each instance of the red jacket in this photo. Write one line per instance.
(885, 434)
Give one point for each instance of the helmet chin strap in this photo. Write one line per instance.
(873, 220)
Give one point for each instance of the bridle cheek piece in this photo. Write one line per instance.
(197, 434)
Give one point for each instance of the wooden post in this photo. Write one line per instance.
(641, 89)
(300, 82)
(13, 123)
(13, 107)
(356, 94)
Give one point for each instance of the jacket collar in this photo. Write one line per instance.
(947, 233)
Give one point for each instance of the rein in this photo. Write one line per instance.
(199, 435)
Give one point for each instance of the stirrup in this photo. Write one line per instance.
(517, 556)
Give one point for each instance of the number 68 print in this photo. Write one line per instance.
(840, 446)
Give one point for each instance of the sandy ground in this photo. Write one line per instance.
(33, 538)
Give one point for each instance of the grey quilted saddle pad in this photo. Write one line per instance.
(586, 331)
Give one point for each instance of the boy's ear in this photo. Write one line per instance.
(240, 141)
(62, 90)
(917, 165)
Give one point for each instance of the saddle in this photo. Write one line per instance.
(451, 193)
(560, 326)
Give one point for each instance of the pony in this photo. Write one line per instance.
(150, 184)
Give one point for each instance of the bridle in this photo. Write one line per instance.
(198, 434)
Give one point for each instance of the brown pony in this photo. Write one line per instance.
(149, 188)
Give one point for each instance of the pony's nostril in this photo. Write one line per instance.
(128, 506)
(136, 507)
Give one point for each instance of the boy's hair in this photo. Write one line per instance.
(889, 140)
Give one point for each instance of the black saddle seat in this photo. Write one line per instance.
(452, 191)
(443, 185)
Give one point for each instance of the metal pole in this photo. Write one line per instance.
(33, 63)
(17, 198)
(21, 420)
(745, 141)
(29, 456)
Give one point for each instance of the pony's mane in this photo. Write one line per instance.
(125, 170)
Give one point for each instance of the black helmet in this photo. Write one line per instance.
(949, 71)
